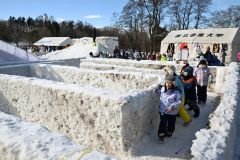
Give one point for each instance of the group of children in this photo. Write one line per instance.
(190, 88)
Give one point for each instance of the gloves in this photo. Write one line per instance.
(159, 87)
(156, 90)
(168, 109)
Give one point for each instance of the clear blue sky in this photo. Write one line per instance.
(96, 12)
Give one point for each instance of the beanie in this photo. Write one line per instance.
(189, 70)
(170, 78)
(203, 61)
(202, 58)
(170, 69)
(183, 67)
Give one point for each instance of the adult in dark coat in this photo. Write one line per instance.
(208, 56)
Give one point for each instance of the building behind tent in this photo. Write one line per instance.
(48, 44)
(223, 43)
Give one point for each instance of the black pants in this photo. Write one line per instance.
(167, 123)
(193, 106)
(202, 93)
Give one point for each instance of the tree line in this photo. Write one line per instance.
(30, 30)
(141, 25)
(147, 22)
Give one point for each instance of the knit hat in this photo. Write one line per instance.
(188, 70)
(183, 67)
(203, 61)
(170, 78)
(170, 69)
(202, 58)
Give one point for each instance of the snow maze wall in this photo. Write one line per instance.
(105, 106)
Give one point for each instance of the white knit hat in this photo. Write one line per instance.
(170, 69)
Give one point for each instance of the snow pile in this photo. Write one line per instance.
(26, 141)
(218, 141)
(82, 47)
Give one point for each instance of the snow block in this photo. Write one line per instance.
(108, 110)
(23, 140)
(151, 67)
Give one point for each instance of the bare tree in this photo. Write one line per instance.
(155, 15)
(185, 14)
(182, 12)
(132, 22)
(226, 18)
(201, 7)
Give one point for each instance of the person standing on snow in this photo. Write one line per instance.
(202, 73)
(171, 70)
(170, 100)
(116, 52)
(208, 56)
(189, 83)
(94, 35)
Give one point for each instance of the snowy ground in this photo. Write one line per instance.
(178, 146)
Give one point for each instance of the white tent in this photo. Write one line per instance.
(54, 41)
(197, 41)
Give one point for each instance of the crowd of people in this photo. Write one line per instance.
(188, 88)
(211, 59)
(133, 55)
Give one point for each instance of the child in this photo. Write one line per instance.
(171, 70)
(202, 73)
(189, 83)
(170, 99)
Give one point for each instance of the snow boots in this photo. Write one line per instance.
(195, 108)
(161, 138)
(196, 111)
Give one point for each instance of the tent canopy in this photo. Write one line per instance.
(211, 35)
(54, 41)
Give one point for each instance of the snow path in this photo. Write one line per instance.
(178, 146)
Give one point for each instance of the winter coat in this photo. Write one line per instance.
(169, 98)
(209, 57)
(179, 84)
(163, 58)
(202, 75)
(190, 88)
